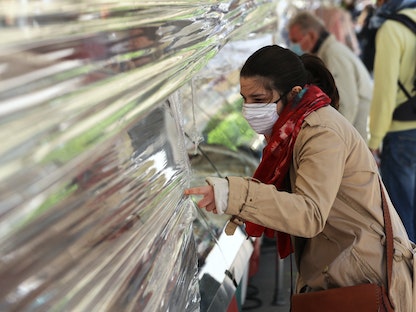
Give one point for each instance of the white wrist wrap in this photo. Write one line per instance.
(220, 186)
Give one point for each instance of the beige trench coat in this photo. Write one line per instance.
(334, 212)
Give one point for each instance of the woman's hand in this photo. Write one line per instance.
(208, 200)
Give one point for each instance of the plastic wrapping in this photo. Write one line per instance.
(93, 160)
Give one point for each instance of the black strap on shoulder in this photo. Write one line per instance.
(404, 90)
(411, 24)
(404, 19)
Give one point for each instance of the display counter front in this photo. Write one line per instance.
(223, 260)
(106, 111)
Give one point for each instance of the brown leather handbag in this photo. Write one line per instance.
(358, 298)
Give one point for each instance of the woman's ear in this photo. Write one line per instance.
(295, 90)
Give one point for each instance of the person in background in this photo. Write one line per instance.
(351, 7)
(317, 186)
(366, 37)
(394, 141)
(338, 22)
(308, 34)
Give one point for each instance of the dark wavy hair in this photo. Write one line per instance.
(284, 70)
(319, 75)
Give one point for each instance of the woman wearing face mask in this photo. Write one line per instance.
(316, 187)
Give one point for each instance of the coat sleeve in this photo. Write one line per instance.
(320, 166)
(340, 61)
(343, 71)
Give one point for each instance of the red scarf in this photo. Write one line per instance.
(277, 155)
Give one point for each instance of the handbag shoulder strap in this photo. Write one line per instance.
(389, 235)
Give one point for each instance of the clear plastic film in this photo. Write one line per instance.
(94, 157)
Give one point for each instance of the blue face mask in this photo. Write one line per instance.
(295, 47)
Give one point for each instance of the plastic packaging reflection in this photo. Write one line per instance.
(92, 160)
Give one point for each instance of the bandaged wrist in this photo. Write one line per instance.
(220, 186)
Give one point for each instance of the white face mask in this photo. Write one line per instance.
(261, 116)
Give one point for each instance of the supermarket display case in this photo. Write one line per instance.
(108, 111)
(223, 260)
